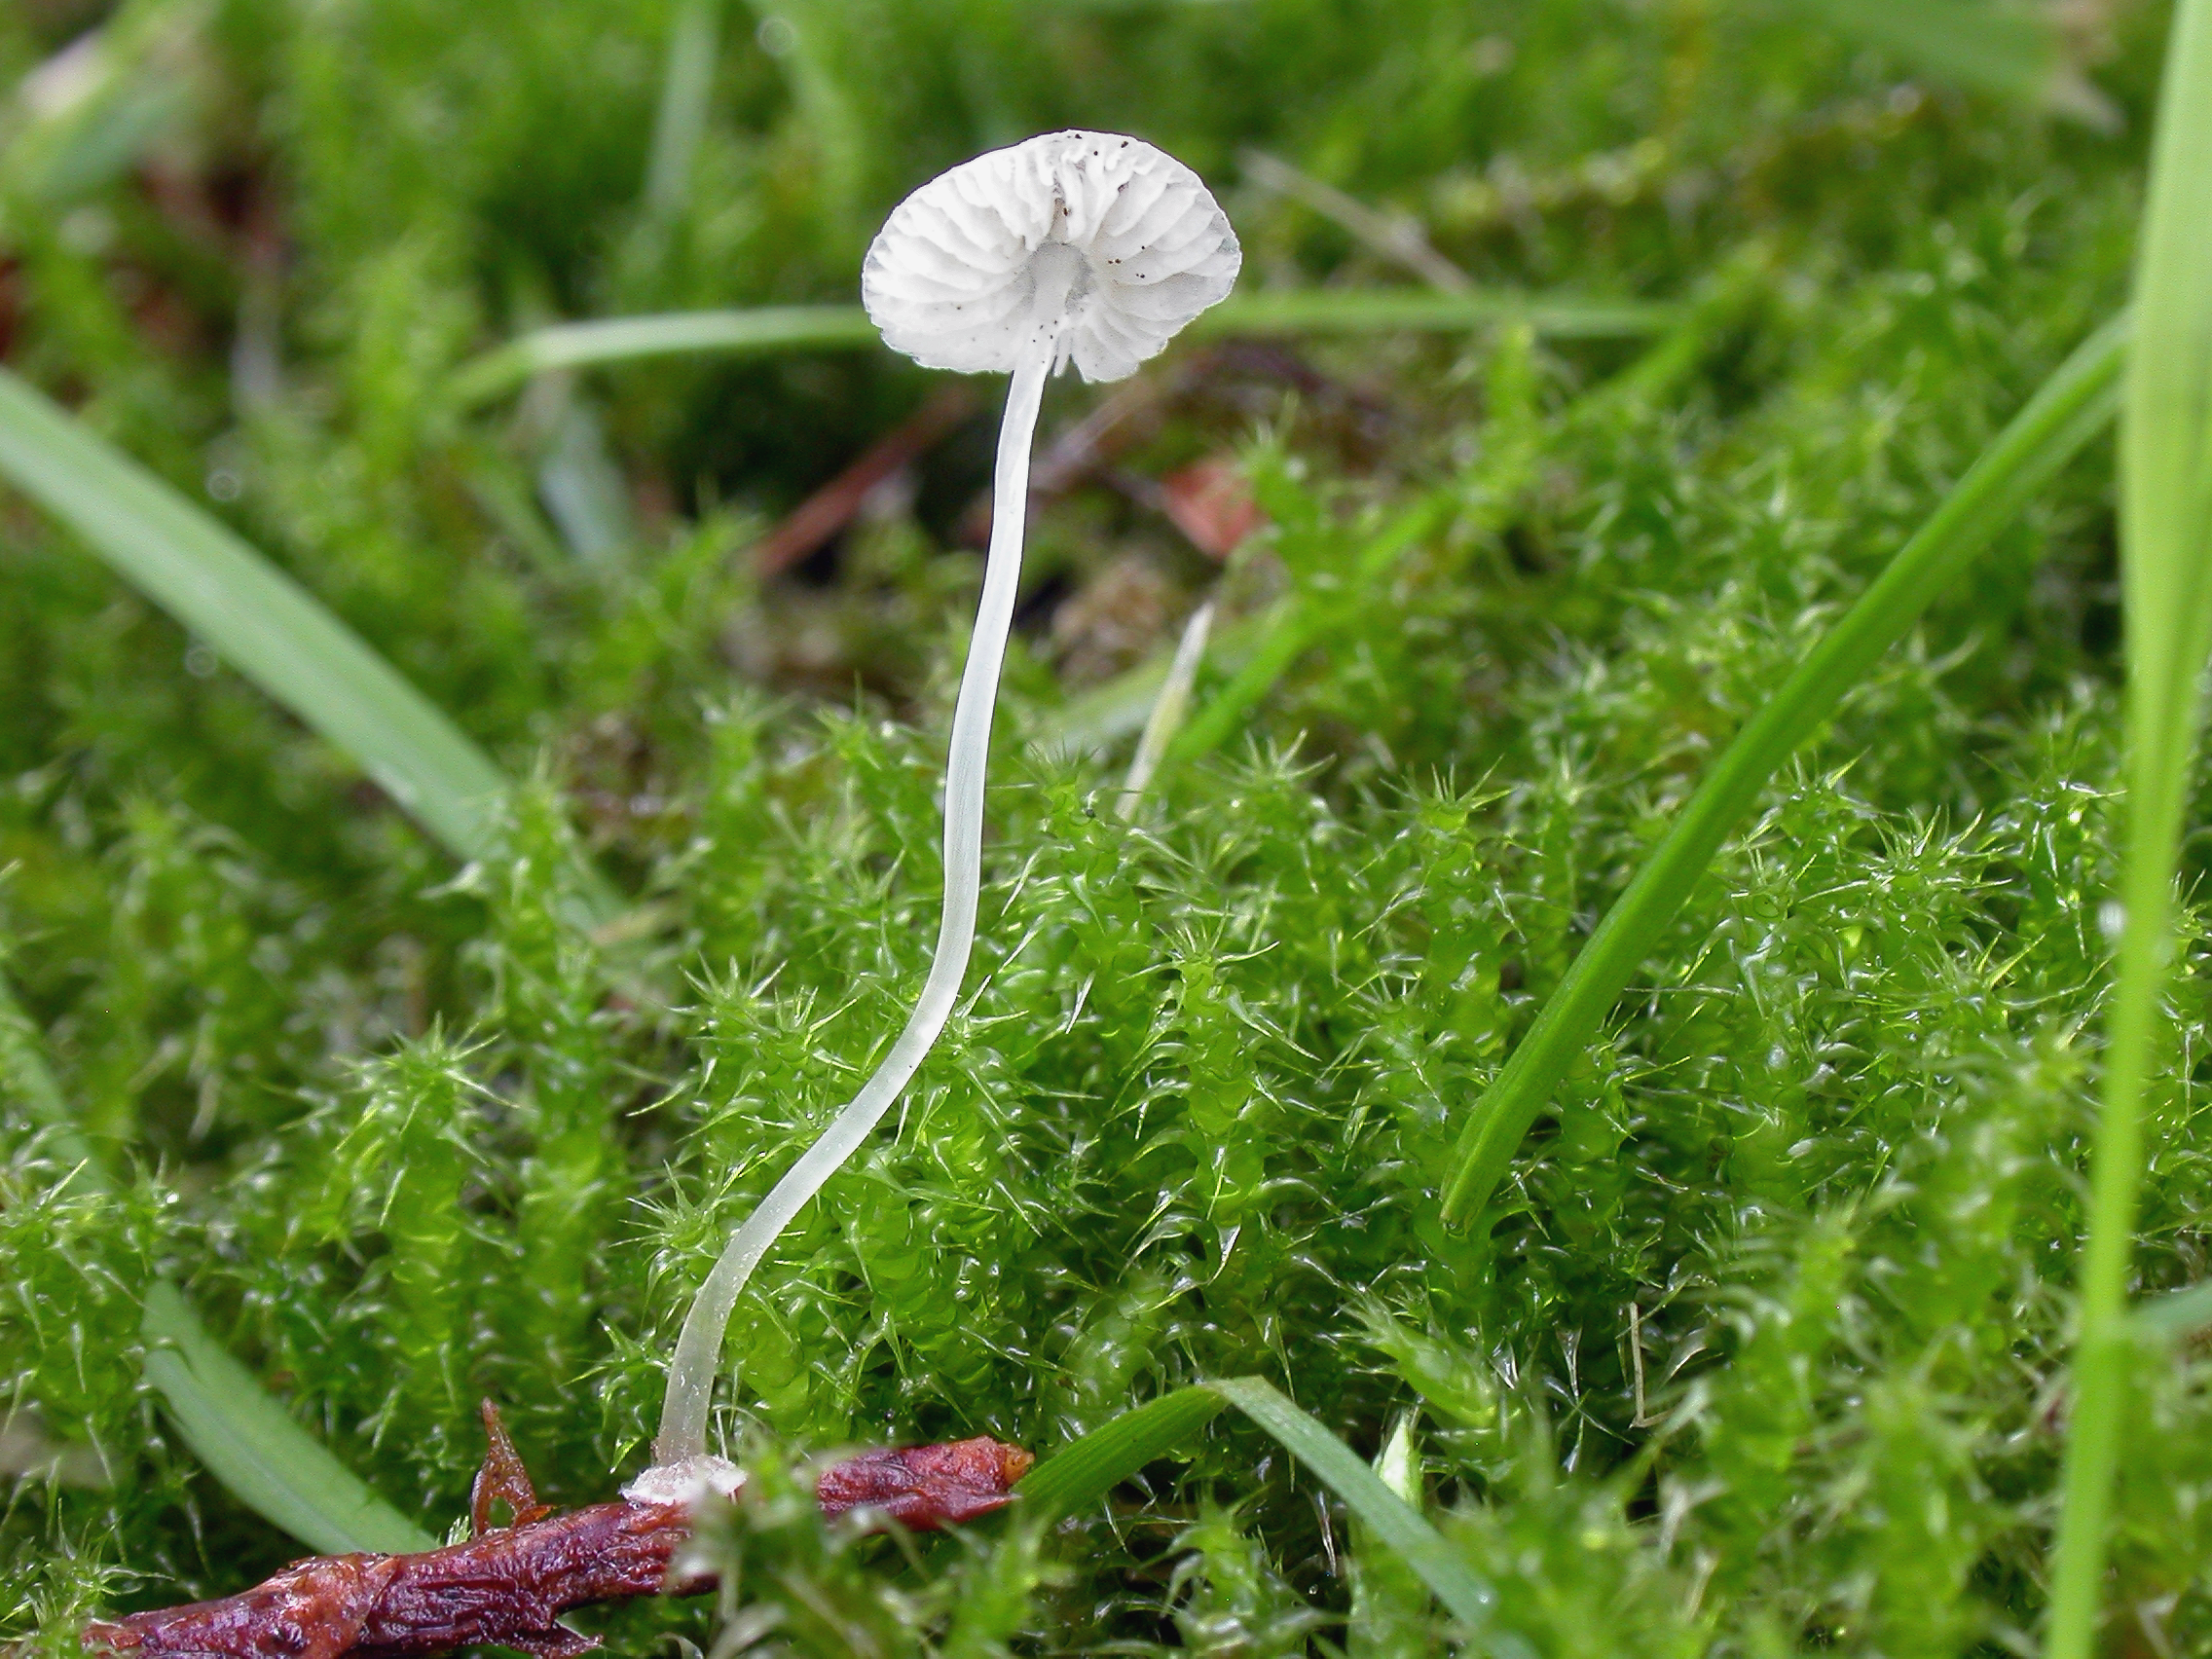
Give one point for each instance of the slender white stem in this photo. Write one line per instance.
(698, 1348)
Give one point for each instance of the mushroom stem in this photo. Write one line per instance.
(698, 1348)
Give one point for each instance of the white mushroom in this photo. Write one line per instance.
(1073, 247)
(1086, 248)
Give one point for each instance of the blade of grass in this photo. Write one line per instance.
(792, 328)
(669, 334)
(253, 615)
(686, 96)
(1081, 1474)
(1387, 310)
(1383, 1511)
(1388, 1605)
(1084, 1473)
(253, 1447)
(2165, 525)
(247, 1441)
(2065, 413)
(2002, 52)
(2005, 52)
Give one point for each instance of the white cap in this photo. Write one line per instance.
(1093, 246)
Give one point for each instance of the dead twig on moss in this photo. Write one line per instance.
(509, 1585)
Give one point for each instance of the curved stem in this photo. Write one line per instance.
(698, 1348)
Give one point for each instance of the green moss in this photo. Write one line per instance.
(1759, 1349)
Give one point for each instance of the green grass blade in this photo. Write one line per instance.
(1386, 311)
(1075, 1477)
(1388, 1614)
(686, 98)
(2007, 53)
(2065, 413)
(254, 616)
(2165, 523)
(795, 328)
(1084, 1473)
(1383, 1513)
(669, 334)
(249, 1443)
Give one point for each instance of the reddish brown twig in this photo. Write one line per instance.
(925, 1487)
(509, 1585)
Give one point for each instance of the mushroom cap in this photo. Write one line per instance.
(1096, 245)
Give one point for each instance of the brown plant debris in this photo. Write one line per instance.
(509, 1585)
(925, 1487)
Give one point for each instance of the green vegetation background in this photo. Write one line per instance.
(1758, 1353)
